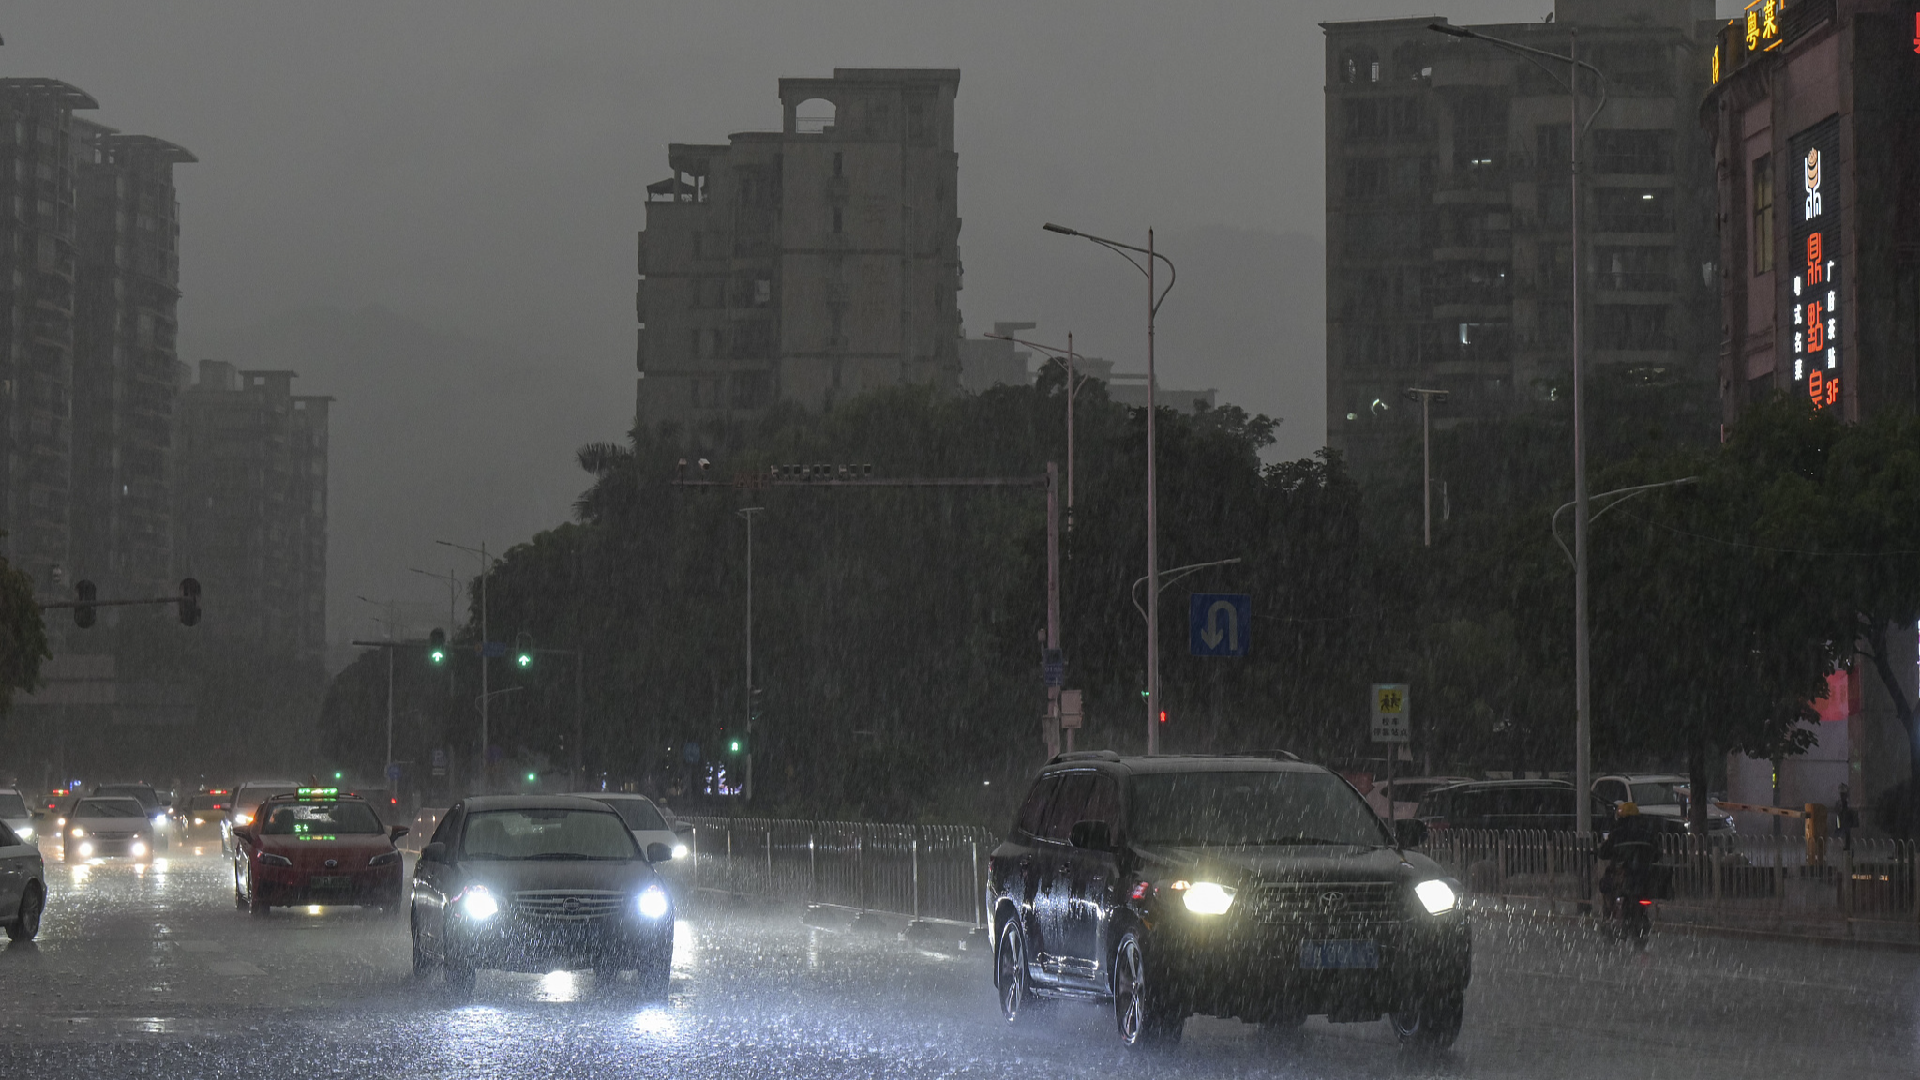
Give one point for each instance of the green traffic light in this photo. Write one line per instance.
(531, 777)
(438, 656)
(336, 776)
(525, 659)
(734, 746)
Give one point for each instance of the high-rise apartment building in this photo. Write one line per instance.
(808, 264)
(37, 307)
(127, 290)
(1448, 242)
(251, 510)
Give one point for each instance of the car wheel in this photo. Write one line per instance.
(1010, 978)
(422, 963)
(1143, 1008)
(1433, 1021)
(26, 925)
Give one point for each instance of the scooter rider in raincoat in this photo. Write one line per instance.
(1631, 850)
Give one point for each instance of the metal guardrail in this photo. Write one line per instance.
(932, 873)
(1756, 880)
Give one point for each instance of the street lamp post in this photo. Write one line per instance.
(1426, 399)
(1155, 296)
(484, 773)
(393, 783)
(1582, 666)
(746, 785)
(1066, 359)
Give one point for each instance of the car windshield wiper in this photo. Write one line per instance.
(551, 855)
(1304, 840)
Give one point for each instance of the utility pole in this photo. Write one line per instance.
(485, 773)
(1426, 399)
(746, 786)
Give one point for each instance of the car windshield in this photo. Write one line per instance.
(140, 792)
(12, 805)
(1242, 808)
(542, 833)
(321, 819)
(639, 815)
(1658, 793)
(108, 808)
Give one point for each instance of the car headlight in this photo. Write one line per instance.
(136, 848)
(384, 858)
(199, 821)
(86, 850)
(679, 851)
(653, 902)
(76, 831)
(1436, 896)
(159, 819)
(24, 832)
(243, 820)
(60, 822)
(1207, 898)
(270, 859)
(478, 904)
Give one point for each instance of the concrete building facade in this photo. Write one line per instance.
(126, 322)
(805, 265)
(1448, 209)
(251, 505)
(1814, 117)
(37, 307)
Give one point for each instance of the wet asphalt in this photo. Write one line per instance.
(152, 972)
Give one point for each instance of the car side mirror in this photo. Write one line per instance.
(434, 852)
(38, 814)
(1092, 835)
(659, 853)
(398, 831)
(1410, 832)
(166, 800)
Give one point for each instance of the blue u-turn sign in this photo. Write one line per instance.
(1219, 624)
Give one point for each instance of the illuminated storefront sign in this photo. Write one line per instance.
(1763, 24)
(1814, 257)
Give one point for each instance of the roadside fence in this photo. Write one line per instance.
(1787, 882)
(929, 873)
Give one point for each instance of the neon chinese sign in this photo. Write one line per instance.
(1763, 24)
(1814, 257)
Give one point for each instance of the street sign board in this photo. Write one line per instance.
(494, 648)
(1219, 624)
(1070, 714)
(1390, 715)
(1053, 667)
(691, 752)
(439, 761)
(393, 772)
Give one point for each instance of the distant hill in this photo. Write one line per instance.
(434, 436)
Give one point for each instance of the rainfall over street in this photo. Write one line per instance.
(990, 538)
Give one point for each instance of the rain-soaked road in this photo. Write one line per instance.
(152, 972)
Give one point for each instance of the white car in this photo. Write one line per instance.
(17, 816)
(101, 825)
(1660, 795)
(643, 819)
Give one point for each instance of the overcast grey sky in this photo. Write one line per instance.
(478, 166)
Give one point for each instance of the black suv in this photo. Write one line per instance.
(1248, 886)
(1547, 805)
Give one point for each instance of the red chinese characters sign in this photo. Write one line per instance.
(1814, 263)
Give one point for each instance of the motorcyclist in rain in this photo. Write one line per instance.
(1631, 849)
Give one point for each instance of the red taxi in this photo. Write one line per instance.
(317, 845)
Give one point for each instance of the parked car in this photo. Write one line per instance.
(1237, 886)
(1662, 795)
(1506, 804)
(1405, 791)
(534, 883)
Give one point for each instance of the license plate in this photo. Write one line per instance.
(1326, 955)
(329, 883)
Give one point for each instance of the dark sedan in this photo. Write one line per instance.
(539, 883)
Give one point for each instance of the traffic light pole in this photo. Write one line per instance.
(746, 787)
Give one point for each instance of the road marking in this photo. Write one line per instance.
(235, 967)
(200, 946)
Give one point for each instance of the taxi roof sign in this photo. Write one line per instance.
(318, 793)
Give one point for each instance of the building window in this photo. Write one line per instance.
(762, 292)
(1633, 269)
(1634, 210)
(1634, 327)
(839, 163)
(837, 222)
(1623, 151)
(1763, 214)
(1366, 178)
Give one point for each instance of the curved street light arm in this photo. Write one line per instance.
(1535, 56)
(1168, 577)
(1625, 493)
(1121, 250)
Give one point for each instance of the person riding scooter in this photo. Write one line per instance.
(1631, 849)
